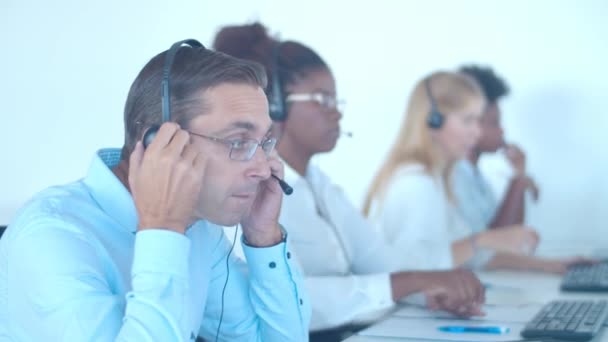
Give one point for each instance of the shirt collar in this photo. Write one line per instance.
(314, 178)
(290, 175)
(108, 191)
(293, 177)
(467, 166)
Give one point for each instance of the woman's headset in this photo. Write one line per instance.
(277, 105)
(435, 119)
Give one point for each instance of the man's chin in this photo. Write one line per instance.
(226, 220)
(489, 148)
(228, 215)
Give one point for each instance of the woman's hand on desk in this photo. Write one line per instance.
(515, 239)
(520, 262)
(458, 291)
(560, 266)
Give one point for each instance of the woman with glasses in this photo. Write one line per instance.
(410, 199)
(350, 275)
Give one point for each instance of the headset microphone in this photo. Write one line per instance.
(287, 190)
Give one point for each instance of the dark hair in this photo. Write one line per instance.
(491, 84)
(194, 70)
(252, 42)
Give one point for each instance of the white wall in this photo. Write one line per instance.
(67, 66)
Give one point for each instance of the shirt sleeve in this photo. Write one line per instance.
(368, 250)
(413, 219)
(59, 286)
(264, 299)
(338, 300)
(468, 203)
(361, 294)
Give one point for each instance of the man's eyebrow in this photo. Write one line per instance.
(246, 125)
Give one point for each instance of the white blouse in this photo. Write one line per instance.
(414, 215)
(345, 261)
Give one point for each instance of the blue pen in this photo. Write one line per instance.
(488, 286)
(474, 329)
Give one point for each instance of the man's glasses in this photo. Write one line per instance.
(243, 149)
(326, 101)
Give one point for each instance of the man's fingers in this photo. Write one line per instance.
(189, 154)
(199, 162)
(178, 143)
(163, 137)
(276, 167)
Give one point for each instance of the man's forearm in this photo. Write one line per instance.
(277, 293)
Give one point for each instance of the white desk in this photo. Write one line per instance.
(540, 288)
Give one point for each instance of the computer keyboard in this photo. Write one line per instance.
(570, 320)
(589, 278)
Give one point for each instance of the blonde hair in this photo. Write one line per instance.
(452, 92)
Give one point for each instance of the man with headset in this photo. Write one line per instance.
(133, 251)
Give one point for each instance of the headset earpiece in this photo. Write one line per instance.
(149, 135)
(276, 99)
(435, 118)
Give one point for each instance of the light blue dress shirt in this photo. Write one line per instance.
(476, 201)
(73, 268)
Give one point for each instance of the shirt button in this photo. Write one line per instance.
(272, 264)
(301, 301)
(288, 255)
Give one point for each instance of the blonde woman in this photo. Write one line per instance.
(410, 200)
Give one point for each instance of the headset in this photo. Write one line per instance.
(277, 105)
(435, 119)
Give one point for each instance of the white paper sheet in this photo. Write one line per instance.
(495, 313)
(428, 329)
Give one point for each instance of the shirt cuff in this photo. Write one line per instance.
(268, 262)
(377, 290)
(378, 286)
(161, 251)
